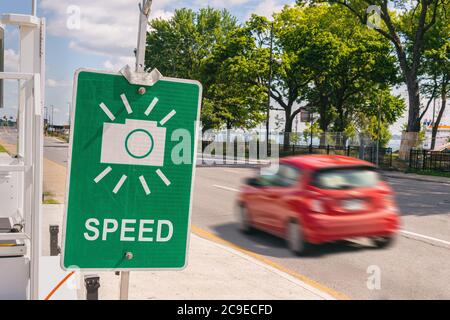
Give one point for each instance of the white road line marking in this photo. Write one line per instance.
(167, 118)
(232, 171)
(151, 106)
(106, 110)
(225, 188)
(418, 235)
(119, 184)
(144, 185)
(126, 103)
(163, 177)
(102, 174)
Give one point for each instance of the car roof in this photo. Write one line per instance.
(320, 161)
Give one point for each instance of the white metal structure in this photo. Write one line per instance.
(28, 163)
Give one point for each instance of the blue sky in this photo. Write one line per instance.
(104, 39)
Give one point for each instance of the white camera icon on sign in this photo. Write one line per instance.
(137, 142)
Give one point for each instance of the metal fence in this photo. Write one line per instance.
(429, 160)
(367, 153)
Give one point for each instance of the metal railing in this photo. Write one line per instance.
(429, 160)
(367, 153)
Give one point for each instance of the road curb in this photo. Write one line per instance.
(414, 178)
(308, 283)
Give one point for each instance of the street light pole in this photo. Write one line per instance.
(311, 119)
(268, 87)
(70, 111)
(432, 123)
(53, 124)
(379, 131)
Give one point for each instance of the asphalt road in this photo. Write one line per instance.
(54, 149)
(416, 267)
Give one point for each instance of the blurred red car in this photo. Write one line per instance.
(319, 198)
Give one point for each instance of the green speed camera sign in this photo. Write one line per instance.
(130, 178)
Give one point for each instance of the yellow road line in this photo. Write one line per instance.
(210, 236)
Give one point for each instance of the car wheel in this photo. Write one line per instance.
(383, 242)
(296, 240)
(244, 219)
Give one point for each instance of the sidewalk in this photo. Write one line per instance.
(54, 175)
(214, 271)
(414, 176)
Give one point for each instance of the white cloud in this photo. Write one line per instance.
(224, 3)
(11, 60)
(52, 83)
(162, 14)
(109, 27)
(266, 8)
(115, 64)
(103, 27)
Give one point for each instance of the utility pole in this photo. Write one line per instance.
(268, 87)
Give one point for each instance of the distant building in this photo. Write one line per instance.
(4, 122)
(442, 136)
(62, 129)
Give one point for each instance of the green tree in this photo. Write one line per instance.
(355, 65)
(407, 33)
(178, 46)
(194, 45)
(435, 68)
(332, 64)
(377, 112)
(235, 102)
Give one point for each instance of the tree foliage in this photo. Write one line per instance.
(195, 45)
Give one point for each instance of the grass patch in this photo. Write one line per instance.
(48, 198)
(59, 136)
(50, 201)
(430, 173)
(2, 148)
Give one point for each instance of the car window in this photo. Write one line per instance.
(285, 177)
(346, 178)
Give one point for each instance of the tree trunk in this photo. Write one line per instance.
(287, 129)
(324, 120)
(410, 138)
(439, 117)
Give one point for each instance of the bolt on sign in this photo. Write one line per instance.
(131, 168)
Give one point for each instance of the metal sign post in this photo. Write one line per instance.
(130, 174)
(144, 13)
(132, 156)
